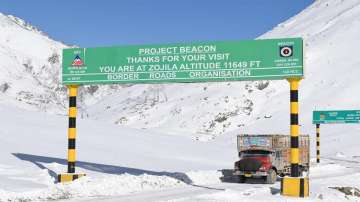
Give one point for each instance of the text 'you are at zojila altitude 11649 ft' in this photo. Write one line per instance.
(164, 63)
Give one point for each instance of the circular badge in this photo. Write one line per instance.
(286, 51)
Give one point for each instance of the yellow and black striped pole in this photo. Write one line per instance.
(295, 185)
(317, 143)
(294, 127)
(70, 175)
(72, 129)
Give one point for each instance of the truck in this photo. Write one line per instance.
(267, 156)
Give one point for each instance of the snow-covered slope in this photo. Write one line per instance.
(30, 66)
(330, 29)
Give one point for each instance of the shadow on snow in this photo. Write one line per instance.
(103, 168)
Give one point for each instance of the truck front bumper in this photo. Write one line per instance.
(251, 174)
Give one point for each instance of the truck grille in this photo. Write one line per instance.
(249, 165)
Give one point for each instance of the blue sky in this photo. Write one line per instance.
(90, 23)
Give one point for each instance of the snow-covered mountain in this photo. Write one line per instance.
(30, 63)
(203, 110)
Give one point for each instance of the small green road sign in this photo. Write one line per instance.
(195, 62)
(339, 116)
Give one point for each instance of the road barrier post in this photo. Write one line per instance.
(70, 175)
(317, 143)
(295, 185)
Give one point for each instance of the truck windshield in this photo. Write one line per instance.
(254, 153)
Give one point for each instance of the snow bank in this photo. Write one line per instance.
(204, 177)
(110, 185)
(95, 187)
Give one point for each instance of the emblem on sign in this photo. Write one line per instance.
(286, 51)
(77, 61)
(322, 116)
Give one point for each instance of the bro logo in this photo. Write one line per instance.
(77, 62)
(286, 51)
(322, 116)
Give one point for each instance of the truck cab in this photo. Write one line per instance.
(256, 164)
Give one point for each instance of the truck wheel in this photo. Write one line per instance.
(241, 179)
(271, 177)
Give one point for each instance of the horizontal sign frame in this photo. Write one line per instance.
(266, 59)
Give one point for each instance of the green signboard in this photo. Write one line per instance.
(341, 116)
(193, 62)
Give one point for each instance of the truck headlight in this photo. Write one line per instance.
(262, 168)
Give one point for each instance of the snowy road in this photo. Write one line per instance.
(191, 191)
(169, 194)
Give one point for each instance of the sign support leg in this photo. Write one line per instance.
(295, 185)
(70, 175)
(294, 128)
(317, 143)
(72, 129)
